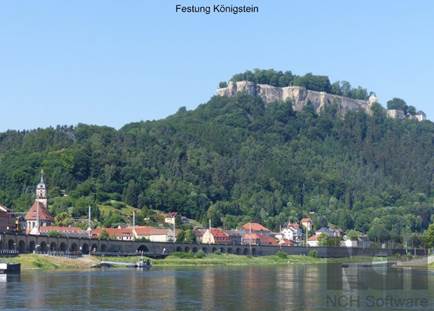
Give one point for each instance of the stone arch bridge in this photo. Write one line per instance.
(28, 243)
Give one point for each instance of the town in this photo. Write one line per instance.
(38, 221)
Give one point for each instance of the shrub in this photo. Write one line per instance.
(281, 255)
(200, 254)
(182, 254)
(312, 253)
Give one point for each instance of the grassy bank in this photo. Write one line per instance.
(189, 259)
(47, 263)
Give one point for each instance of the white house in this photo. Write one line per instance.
(170, 218)
(154, 234)
(292, 232)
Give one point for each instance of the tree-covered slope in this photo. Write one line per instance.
(232, 160)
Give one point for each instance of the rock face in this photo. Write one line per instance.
(300, 97)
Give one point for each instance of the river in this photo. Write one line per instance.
(293, 287)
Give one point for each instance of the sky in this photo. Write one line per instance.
(115, 62)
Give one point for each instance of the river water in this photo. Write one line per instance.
(292, 287)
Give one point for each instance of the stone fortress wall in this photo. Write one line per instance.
(300, 96)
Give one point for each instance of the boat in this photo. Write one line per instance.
(6, 268)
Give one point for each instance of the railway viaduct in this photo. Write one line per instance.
(28, 243)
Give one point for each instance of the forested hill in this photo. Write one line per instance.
(232, 160)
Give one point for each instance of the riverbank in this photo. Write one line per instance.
(49, 263)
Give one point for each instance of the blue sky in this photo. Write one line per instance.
(114, 62)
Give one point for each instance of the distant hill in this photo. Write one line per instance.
(235, 159)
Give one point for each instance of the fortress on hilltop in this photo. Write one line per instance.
(300, 97)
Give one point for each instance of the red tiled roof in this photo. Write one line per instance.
(219, 234)
(46, 229)
(43, 213)
(113, 232)
(148, 230)
(253, 226)
(263, 239)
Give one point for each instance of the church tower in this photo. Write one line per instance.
(41, 191)
(38, 215)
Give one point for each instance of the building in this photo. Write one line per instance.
(38, 215)
(198, 233)
(153, 234)
(255, 227)
(331, 232)
(234, 236)
(170, 218)
(307, 224)
(123, 234)
(215, 236)
(292, 232)
(64, 231)
(313, 241)
(7, 220)
(258, 239)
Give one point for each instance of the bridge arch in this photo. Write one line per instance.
(142, 248)
(205, 250)
(85, 249)
(238, 251)
(222, 249)
(229, 251)
(213, 250)
(103, 248)
(22, 246)
(194, 250)
(11, 245)
(32, 246)
(53, 246)
(43, 246)
(253, 251)
(186, 249)
(179, 249)
(63, 247)
(245, 251)
(73, 247)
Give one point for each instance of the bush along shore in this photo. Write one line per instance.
(49, 263)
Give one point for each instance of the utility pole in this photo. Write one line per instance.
(174, 229)
(134, 224)
(89, 221)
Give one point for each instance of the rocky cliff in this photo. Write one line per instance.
(300, 96)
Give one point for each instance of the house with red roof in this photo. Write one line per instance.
(255, 227)
(154, 234)
(38, 215)
(313, 241)
(258, 239)
(215, 236)
(124, 234)
(64, 231)
(292, 232)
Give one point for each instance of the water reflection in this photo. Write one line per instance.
(293, 287)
